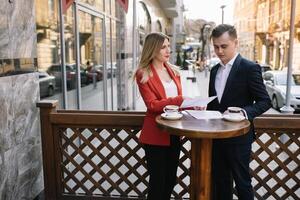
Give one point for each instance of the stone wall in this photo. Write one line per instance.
(20, 142)
(17, 29)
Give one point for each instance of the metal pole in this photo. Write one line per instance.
(287, 108)
(222, 16)
(77, 49)
(173, 45)
(112, 75)
(134, 49)
(62, 56)
(222, 7)
(105, 64)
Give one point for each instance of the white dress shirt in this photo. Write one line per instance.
(170, 88)
(222, 76)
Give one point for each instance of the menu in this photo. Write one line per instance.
(205, 114)
(196, 102)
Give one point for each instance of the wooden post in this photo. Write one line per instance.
(195, 168)
(47, 107)
(201, 169)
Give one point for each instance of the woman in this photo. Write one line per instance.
(159, 85)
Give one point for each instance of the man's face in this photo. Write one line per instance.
(225, 47)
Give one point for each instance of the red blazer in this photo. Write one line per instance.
(154, 96)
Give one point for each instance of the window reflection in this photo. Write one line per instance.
(158, 27)
(91, 56)
(108, 6)
(144, 23)
(144, 19)
(97, 4)
(91, 53)
(48, 48)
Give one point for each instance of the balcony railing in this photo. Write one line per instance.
(96, 155)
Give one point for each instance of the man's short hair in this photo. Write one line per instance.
(223, 28)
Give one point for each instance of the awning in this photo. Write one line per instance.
(66, 4)
(124, 4)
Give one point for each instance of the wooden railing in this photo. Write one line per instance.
(96, 155)
(275, 165)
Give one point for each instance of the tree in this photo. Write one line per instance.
(204, 37)
(184, 63)
(200, 29)
(178, 59)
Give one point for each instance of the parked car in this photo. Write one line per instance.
(275, 82)
(98, 72)
(265, 68)
(212, 62)
(47, 84)
(111, 69)
(296, 76)
(55, 70)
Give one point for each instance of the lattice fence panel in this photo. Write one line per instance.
(275, 166)
(110, 162)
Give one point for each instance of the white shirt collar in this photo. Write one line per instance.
(230, 63)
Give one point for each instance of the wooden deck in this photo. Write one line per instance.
(96, 155)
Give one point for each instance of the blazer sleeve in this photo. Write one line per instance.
(258, 92)
(151, 99)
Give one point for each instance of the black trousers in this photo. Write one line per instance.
(231, 162)
(162, 164)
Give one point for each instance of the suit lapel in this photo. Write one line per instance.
(157, 84)
(213, 91)
(231, 76)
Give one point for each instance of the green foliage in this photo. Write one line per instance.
(178, 59)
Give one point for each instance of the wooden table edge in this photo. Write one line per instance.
(204, 134)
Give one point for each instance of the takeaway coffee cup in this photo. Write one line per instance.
(235, 112)
(171, 110)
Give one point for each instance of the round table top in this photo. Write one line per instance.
(203, 128)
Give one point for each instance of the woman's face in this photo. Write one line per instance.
(164, 54)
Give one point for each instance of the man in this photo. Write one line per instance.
(236, 82)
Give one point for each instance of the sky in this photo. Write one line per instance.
(209, 10)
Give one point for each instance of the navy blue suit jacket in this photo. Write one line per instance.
(244, 88)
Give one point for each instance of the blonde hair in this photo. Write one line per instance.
(152, 45)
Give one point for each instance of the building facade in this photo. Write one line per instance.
(244, 21)
(268, 23)
(99, 42)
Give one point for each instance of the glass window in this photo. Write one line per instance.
(281, 79)
(108, 6)
(116, 9)
(115, 65)
(113, 8)
(91, 56)
(267, 76)
(48, 49)
(98, 4)
(158, 27)
(110, 68)
(144, 19)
